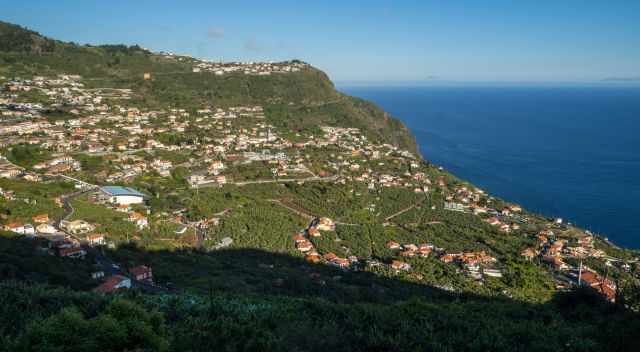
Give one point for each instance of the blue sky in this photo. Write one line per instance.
(368, 40)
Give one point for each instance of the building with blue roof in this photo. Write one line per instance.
(123, 195)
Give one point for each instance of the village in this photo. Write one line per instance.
(235, 146)
(247, 68)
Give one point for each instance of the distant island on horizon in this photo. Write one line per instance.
(623, 79)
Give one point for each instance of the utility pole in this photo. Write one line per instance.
(604, 280)
(580, 274)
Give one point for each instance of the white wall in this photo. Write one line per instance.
(127, 199)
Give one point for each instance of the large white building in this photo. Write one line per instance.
(123, 195)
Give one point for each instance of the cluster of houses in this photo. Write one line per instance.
(141, 274)
(410, 249)
(41, 225)
(99, 125)
(248, 68)
(467, 200)
(58, 165)
(474, 264)
(67, 247)
(237, 135)
(554, 251)
(8, 169)
(17, 111)
(361, 160)
(602, 285)
(312, 255)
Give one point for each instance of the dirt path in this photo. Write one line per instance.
(388, 218)
(292, 209)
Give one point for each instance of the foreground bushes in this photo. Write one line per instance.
(45, 319)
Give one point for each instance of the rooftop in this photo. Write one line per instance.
(121, 191)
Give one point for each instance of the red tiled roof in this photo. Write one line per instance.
(64, 252)
(95, 236)
(397, 264)
(590, 278)
(110, 285)
(393, 244)
(330, 256)
(140, 270)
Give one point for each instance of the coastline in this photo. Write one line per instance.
(529, 196)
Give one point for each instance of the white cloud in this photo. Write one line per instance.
(215, 32)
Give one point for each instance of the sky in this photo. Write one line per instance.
(368, 40)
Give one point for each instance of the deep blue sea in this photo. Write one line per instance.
(561, 150)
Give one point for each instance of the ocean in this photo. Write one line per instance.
(561, 150)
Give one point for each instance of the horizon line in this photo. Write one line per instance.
(604, 81)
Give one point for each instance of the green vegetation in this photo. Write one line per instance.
(106, 220)
(173, 83)
(30, 199)
(45, 319)
(27, 260)
(26, 155)
(258, 292)
(121, 325)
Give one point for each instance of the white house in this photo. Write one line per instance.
(20, 228)
(96, 239)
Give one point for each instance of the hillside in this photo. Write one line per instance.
(153, 201)
(307, 95)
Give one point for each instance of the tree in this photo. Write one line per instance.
(122, 326)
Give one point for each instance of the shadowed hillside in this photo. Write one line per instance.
(272, 301)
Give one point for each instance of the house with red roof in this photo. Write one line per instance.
(72, 252)
(340, 262)
(114, 283)
(330, 256)
(96, 239)
(304, 246)
(41, 219)
(393, 245)
(312, 257)
(493, 221)
(142, 273)
(325, 224)
(557, 262)
(400, 265)
(314, 232)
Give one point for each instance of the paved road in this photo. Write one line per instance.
(126, 152)
(279, 180)
(73, 179)
(66, 204)
(108, 266)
